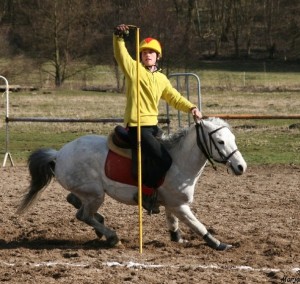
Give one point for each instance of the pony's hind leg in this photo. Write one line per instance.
(87, 212)
(76, 202)
(84, 214)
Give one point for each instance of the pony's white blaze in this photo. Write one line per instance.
(79, 167)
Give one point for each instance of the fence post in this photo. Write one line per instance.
(7, 153)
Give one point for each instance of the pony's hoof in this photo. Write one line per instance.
(223, 246)
(112, 241)
(99, 235)
(214, 243)
(119, 244)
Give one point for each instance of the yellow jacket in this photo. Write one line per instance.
(153, 87)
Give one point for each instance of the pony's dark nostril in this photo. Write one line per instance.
(241, 168)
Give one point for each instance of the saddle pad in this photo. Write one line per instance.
(113, 147)
(118, 168)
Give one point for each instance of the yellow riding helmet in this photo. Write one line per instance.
(151, 43)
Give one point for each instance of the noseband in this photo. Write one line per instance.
(206, 146)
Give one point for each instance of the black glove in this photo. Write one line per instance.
(121, 31)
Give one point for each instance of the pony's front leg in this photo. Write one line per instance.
(173, 226)
(185, 214)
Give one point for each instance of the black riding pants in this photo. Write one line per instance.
(156, 160)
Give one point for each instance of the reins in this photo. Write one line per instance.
(206, 147)
(203, 147)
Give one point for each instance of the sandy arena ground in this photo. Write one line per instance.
(258, 213)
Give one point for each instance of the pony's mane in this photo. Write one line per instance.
(218, 121)
(173, 139)
(170, 140)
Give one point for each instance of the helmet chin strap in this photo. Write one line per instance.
(156, 65)
(152, 67)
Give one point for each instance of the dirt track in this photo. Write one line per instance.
(258, 213)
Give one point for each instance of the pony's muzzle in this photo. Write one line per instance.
(238, 170)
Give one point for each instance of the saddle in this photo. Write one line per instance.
(118, 142)
(118, 165)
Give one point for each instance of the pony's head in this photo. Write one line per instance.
(214, 139)
(217, 142)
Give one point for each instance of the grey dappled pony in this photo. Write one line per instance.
(79, 167)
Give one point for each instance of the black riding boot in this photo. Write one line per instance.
(149, 202)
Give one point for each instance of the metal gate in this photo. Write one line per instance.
(187, 90)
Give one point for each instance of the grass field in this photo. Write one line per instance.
(260, 141)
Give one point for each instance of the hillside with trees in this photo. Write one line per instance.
(64, 37)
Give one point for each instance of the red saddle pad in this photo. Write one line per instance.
(118, 168)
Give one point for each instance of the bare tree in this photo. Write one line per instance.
(60, 34)
(65, 36)
(219, 20)
(241, 23)
(268, 10)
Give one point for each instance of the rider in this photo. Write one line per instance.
(154, 85)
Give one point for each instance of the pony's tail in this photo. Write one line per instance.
(41, 165)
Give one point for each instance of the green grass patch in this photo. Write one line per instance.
(269, 147)
(260, 141)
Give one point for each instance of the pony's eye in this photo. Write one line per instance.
(221, 142)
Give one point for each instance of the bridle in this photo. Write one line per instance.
(206, 146)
